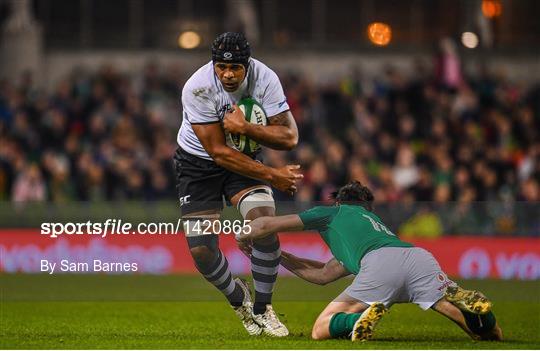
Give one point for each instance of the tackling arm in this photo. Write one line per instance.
(264, 226)
(313, 271)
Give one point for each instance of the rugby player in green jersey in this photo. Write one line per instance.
(387, 270)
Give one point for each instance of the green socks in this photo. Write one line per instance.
(341, 324)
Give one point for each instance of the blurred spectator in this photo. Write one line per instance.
(29, 185)
(96, 136)
(424, 224)
(405, 172)
(530, 190)
(448, 65)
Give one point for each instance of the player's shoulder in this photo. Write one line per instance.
(350, 209)
(258, 65)
(323, 210)
(261, 70)
(201, 83)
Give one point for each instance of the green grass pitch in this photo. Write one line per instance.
(185, 312)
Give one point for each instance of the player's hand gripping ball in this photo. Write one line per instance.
(234, 125)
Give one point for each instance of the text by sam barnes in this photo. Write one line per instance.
(83, 267)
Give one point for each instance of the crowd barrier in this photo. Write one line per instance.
(22, 250)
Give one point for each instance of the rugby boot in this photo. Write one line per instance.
(245, 311)
(364, 326)
(468, 300)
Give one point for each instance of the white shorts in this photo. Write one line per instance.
(398, 275)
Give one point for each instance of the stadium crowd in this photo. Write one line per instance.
(434, 138)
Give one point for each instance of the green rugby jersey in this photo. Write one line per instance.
(350, 232)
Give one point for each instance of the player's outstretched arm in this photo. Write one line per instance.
(281, 133)
(213, 141)
(313, 271)
(264, 226)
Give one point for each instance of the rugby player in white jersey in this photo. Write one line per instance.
(207, 170)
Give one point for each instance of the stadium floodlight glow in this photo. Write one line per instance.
(379, 33)
(189, 40)
(491, 8)
(469, 40)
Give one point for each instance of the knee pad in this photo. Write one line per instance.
(204, 250)
(197, 226)
(259, 197)
(479, 323)
(195, 234)
(209, 241)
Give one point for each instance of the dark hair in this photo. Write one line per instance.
(354, 193)
(231, 47)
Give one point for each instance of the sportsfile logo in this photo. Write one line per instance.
(120, 227)
(110, 226)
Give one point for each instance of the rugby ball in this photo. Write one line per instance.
(255, 114)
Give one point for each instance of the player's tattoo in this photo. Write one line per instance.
(223, 110)
(281, 119)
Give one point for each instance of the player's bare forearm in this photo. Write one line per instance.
(309, 270)
(313, 271)
(238, 162)
(292, 262)
(264, 226)
(213, 140)
(281, 133)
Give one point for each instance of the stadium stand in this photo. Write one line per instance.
(109, 136)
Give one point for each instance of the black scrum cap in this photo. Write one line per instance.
(231, 47)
